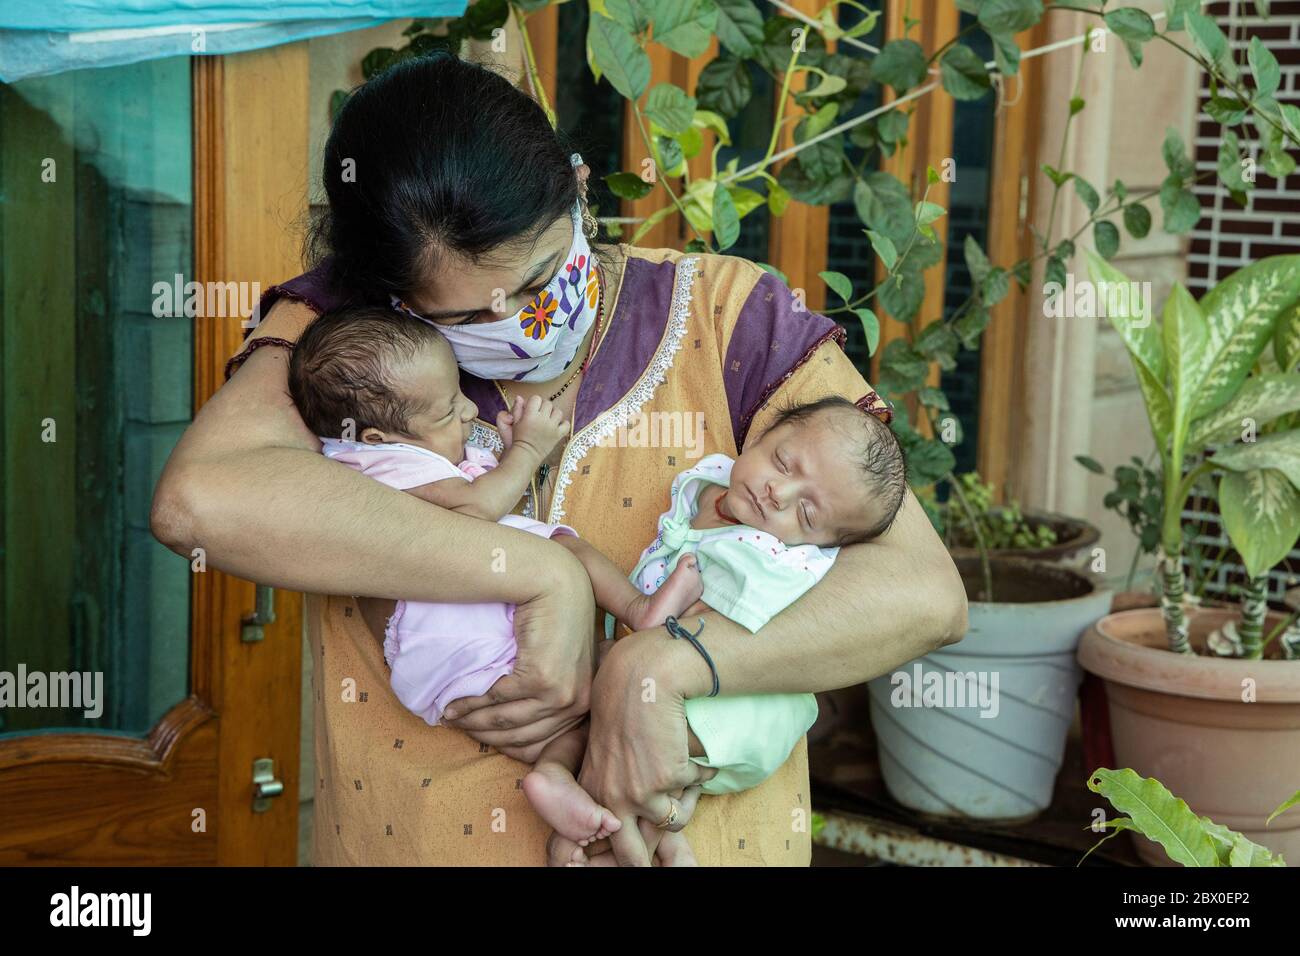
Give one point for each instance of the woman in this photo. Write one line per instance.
(450, 196)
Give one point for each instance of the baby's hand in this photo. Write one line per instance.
(538, 424)
(506, 423)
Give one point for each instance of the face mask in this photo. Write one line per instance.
(538, 342)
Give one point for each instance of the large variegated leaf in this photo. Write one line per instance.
(1158, 815)
(1159, 410)
(1261, 399)
(1134, 325)
(1184, 331)
(1241, 314)
(1280, 451)
(1261, 513)
(1286, 339)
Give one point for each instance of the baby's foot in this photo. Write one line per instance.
(561, 851)
(682, 589)
(558, 800)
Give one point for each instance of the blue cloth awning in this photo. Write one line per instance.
(40, 37)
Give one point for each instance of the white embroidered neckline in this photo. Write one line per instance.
(630, 404)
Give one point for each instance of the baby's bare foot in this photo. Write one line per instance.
(558, 800)
(682, 589)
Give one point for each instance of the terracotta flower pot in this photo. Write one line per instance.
(1183, 720)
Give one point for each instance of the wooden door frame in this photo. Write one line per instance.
(182, 794)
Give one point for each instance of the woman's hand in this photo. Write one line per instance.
(550, 687)
(637, 761)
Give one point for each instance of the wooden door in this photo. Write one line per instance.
(119, 187)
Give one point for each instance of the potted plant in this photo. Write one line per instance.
(1221, 390)
(1008, 530)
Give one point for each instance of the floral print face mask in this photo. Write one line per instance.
(539, 342)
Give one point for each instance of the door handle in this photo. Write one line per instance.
(265, 786)
(263, 614)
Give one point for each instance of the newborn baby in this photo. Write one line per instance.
(745, 538)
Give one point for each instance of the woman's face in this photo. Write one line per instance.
(504, 281)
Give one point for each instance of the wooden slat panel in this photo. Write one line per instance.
(929, 144)
(1002, 382)
(798, 239)
(251, 187)
(544, 33)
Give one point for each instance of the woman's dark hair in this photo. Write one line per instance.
(874, 448)
(341, 370)
(433, 154)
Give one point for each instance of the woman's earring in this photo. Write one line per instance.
(590, 225)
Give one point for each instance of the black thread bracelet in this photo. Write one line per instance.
(677, 631)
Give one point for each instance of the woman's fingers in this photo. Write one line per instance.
(629, 848)
(685, 809)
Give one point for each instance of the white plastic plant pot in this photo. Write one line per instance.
(977, 730)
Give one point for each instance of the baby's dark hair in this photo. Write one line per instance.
(872, 446)
(342, 366)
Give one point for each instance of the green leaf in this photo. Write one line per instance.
(619, 58)
(928, 212)
(1286, 339)
(746, 200)
(971, 325)
(889, 207)
(1261, 399)
(726, 220)
(828, 86)
(1280, 450)
(1241, 313)
(1091, 464)
(1227, 110)
(1157, 814)
(884, 248)
(1130, 23)
(1175, 156)
(777, 199)
(892, 126)
(1006, 54)
(1263, 67)
(934, 398)
(1261, 514)
(1087, 195)
(1106, 237)
(821, 120)
(740, 26)
(628, 185)
(937, 340)
(670, 107)
(823, 160)
(1185, 333)
(669, 156)
(1057, 177)
(724, 86)
(900, 64)
(1137, 220)
(976, 262)
(870, 328)
(1211, 41)
(1009, 16)
(840, 284)
(814, 192)
(903, 292)
(1131, 320)
(1181, 208)
(685, 26)
(963, 73)
(928, 461)
(996, 287)
(1286, 805)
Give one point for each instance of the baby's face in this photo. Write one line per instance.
(796, 483)
(444, 425)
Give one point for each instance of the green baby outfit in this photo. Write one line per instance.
(748, 576)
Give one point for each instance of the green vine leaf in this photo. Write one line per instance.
(899, 64)
(963, 73)
(724, 86)
(618, 57)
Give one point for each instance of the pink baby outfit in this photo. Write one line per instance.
(440, 652)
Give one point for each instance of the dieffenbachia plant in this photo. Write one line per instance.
(1221, 385)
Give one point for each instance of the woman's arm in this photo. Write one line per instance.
(248, 485)
(882, 604)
